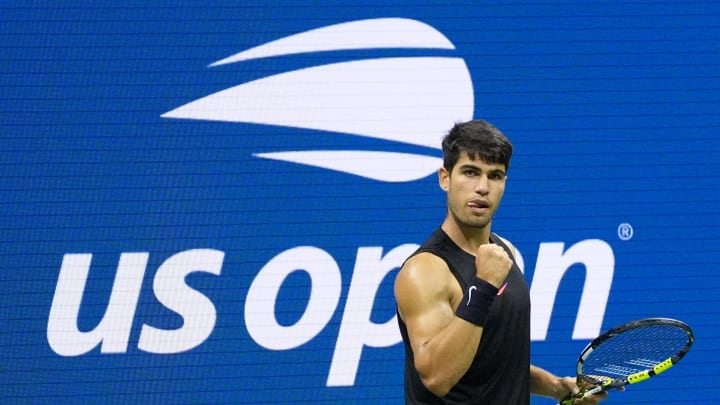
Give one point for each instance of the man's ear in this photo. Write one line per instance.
(444, 178)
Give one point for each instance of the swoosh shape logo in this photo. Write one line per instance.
(397, 99)
(470, 291)
(381, 166)
(409, 100)
(361, 34)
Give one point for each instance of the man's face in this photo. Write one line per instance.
(474, 190)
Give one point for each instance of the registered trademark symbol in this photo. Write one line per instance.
(625, 231)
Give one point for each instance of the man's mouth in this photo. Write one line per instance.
(478, 205)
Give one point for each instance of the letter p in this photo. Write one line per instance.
(356, 328)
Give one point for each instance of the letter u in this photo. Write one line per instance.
(113, 330)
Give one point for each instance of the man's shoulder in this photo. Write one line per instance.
(426, 271)
(424, 262)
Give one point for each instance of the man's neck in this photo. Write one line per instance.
(469, 239)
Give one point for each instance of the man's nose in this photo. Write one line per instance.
(481, 187)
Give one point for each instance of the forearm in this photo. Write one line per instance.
(546, 384)
(446, 357)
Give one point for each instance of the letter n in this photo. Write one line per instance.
(552, 264)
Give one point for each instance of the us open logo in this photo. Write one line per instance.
(412, 101)
(408, 100)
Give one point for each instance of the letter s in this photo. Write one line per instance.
(197, 311)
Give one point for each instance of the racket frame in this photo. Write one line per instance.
(634, 378)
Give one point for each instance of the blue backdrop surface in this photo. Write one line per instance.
(208, 203)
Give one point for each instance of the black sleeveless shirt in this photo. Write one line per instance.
(500, 372)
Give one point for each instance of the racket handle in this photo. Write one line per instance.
(581, 395)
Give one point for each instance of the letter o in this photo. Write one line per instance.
(326, 286)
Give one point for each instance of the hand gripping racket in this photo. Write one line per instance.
(631, 353)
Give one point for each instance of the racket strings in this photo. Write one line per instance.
(633, 351)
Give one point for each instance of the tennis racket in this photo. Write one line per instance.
(631, 353)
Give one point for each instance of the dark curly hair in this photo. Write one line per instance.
(479, 139)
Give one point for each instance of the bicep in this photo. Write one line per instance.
(424, 299)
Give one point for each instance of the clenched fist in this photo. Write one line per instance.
(492, 264)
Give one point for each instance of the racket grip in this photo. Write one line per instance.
(571, 399)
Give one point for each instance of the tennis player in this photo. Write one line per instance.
(463, 304)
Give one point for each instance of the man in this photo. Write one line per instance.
(463, 304)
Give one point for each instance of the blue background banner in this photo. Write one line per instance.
(208, 203)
